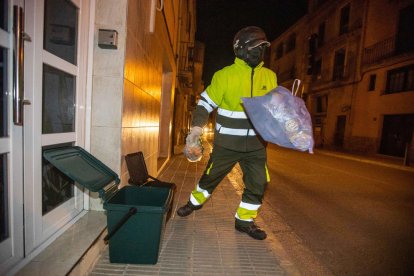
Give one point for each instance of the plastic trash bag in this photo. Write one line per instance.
(194, 151)
(281, 118)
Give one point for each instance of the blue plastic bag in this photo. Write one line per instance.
(282, 119)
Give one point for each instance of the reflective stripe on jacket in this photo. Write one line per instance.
(233, 129)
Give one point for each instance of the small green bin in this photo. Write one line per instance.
(138, 241)
(136, 216)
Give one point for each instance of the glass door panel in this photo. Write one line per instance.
(4, 148)
(61, 29)
(59, 98)
(4, 195)
(4, 199)
(57, 188)
(3, 97)
(4, 14)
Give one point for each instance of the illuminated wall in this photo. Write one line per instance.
(148, 84)
(133, 85)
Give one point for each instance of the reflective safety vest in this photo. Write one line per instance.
(233, 129)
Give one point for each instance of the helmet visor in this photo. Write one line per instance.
(256, 43)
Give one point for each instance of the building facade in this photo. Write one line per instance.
(190, 65)
(99, 74)
(354, 58)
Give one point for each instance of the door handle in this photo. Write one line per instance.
(18, 63)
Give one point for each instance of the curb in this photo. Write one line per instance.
(366, 160)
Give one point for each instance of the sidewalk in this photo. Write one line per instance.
(206, 243)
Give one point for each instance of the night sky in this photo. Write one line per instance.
(219, 20)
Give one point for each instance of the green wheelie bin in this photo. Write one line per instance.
(136, 215)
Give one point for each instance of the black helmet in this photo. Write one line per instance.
(247, 39)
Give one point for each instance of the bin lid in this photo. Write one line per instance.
(82, 167)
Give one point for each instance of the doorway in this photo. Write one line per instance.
(44, 67)
(340, 131)
(397, 132)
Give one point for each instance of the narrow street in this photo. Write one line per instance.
(341, 217)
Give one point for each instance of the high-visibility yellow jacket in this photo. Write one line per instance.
(233, 129)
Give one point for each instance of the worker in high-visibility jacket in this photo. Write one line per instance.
(235, 140)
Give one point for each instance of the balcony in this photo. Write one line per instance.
(186, 64)
(186, 58)
(384, 49)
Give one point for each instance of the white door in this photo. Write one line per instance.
(36, 199)
(55, 86)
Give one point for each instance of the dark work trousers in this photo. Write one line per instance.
(255, 177)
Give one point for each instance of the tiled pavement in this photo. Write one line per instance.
(205, 243)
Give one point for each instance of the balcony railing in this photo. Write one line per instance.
(385, 49)
(186, 57)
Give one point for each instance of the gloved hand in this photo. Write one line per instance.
(193, 149)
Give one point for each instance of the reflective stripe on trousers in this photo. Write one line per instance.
(247, 211)
(199, 196)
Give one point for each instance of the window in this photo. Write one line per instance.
(372, 81)
(291, 43)
(400, 79)
(321, 104)
(279, 50)
(344, 20)
(312, 40)
(405, 38)
(317, 68)
(321, 34)
(339, 65)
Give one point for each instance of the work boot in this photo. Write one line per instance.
(252, 230)
(187, 209)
